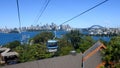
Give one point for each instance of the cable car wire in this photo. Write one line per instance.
(84, 12)
(39, 11)
(48, 1)
(18, 10)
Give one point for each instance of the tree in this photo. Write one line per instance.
(107, 56)
(117, 65)
(13, 44)
(115, 44)
(79, 41)
(64, 47)
(74, 37)
(43, 37)
(112, 53)
(36, 50)
(32, 52)
(86, 42)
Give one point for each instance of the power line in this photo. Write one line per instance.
(84, 12)
(46, 4)
(18, 14)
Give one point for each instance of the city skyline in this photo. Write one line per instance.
(58, 11)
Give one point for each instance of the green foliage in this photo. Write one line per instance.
(13, 44)
(117, 65)
(78, 41)
(73, 40)
(32, 52)
(74, 37)
(86, 42)
(112, 53)
(64, 47)
(65, 50)
(43, 37)
(102, 67)
(115, 48)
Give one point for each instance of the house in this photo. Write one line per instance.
(92, 57)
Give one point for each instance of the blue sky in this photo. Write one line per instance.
(58, 11)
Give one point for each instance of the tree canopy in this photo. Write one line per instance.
(13, 44)
(74, 37)
(112, 53)
(43, 37)
(73, 40)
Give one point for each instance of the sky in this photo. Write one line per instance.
(58, 11)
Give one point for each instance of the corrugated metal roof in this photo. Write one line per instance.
(68, 61)
(93, 61)
(96, 45)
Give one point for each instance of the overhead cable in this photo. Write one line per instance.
(84, 12)
(18, 15)
(48, 1)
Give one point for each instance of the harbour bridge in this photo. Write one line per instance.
(95, 27)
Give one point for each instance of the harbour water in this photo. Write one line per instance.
(24, 36)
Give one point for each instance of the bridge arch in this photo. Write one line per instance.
(95, 26)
